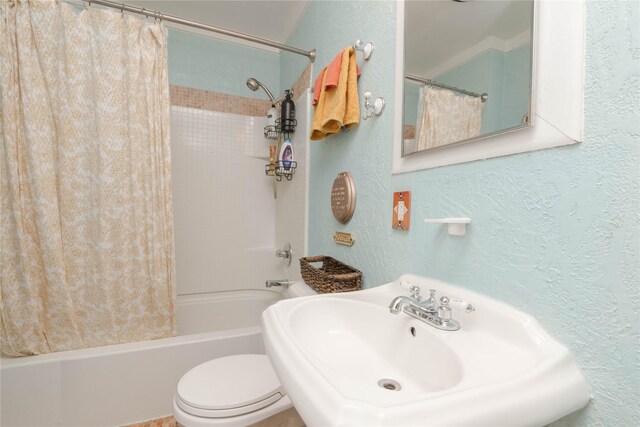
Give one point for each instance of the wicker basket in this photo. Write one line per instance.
(333, 276)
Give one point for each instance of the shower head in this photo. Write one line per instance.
(253, 84)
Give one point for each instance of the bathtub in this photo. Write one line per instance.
(127, 383)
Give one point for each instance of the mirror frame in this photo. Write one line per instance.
(557, 96)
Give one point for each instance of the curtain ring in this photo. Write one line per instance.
(122, 9)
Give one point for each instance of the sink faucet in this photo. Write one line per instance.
(438, 316)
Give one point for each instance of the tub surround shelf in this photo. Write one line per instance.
(455, 226)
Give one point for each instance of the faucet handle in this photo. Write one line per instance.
(444, 311)
(415, 292)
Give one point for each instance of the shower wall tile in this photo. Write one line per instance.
(224, 211)
(215, 101)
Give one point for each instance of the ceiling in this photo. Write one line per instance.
(437, 30)
(270, 19)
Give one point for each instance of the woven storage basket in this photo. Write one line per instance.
(333, 276)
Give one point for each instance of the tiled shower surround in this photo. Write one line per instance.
(224, 213)
(225, 216)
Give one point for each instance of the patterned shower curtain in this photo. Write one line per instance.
(445, 117)
(86, 248)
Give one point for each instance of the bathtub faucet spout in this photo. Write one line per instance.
(282, 282)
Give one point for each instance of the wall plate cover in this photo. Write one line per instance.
(401, 210)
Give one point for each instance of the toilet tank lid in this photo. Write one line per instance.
(229, 382)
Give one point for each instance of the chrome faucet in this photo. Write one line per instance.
(436, 315)
(286, 253)
(401, 302)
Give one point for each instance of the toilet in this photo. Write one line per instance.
(232, 391)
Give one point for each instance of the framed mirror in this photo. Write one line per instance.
(468, 71)
(557, 101)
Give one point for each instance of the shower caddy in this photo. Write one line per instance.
(284, 126)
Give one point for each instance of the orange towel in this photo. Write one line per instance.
(337, 97)
(332, 78)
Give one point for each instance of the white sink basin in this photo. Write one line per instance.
(344, 359)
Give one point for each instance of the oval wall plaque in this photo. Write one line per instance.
(343, 197)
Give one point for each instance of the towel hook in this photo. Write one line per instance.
(367, 49)
(376, 108)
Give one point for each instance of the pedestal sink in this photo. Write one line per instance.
(345, 360)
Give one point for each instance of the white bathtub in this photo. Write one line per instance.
(126, 383)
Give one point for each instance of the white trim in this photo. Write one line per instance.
(517, 41)
(398, 102)
(557, 94)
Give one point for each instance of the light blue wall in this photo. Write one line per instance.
(210, 64)
(554, 233)
(363, 146)
(515, 86)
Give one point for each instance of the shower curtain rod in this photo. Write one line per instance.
(483, 97)
(177, 20)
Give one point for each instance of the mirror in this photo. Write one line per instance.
(456, 52)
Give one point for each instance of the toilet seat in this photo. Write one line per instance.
(229, 386)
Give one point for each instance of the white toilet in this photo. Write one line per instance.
(232, 391)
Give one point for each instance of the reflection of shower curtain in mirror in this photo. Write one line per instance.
(87, 231)
(445, 116)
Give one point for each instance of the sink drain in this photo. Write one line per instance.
(389, 384)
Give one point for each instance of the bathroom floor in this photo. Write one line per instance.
(159, 422)
(288, 418)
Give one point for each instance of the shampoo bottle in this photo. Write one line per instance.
(286, 154)
(287, 113)
(271, 117)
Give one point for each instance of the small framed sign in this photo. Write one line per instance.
(343, 197)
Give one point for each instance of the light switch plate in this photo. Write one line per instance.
(401, 210)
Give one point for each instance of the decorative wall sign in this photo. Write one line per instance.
(342, 238)
(401, 210)
(343, 197)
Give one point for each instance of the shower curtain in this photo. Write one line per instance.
(445, 117)
(86, 253)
